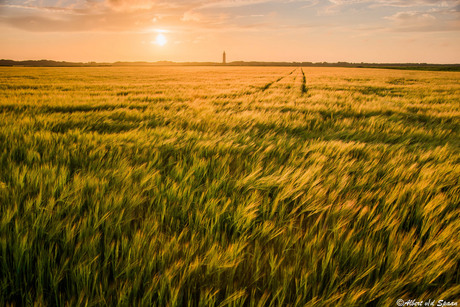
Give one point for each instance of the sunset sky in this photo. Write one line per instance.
(254, 30)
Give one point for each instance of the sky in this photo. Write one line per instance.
(377, 31)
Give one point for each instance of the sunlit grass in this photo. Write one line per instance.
(228, 186)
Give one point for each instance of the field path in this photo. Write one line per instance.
(303, 88)
(282, 87)
(266, 86)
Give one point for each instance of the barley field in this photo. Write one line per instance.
(228, 186)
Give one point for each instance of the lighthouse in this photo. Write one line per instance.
(224, 60)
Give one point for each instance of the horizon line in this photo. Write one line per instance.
(230, 63)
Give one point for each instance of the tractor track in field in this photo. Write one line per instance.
(269, 84)
(303, 87)
(256, 90)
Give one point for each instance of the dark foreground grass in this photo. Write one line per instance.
(205, 187)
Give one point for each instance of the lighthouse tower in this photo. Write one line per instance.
(224, 60)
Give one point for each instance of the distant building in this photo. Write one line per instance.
(224, 60)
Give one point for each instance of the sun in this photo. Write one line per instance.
(161, 40)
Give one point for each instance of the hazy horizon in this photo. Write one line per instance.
(371, 31)
(227, 62)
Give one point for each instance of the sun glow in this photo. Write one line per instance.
(161, 40)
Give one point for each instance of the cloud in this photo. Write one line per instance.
(338, 5)
(121, 15)
(113, 15)
(412, 18)
(211, 15)
(398, 3)
(413, 3)
(435, 20)
(192, 16)
(130, 5)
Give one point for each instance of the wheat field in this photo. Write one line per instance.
(228, 186)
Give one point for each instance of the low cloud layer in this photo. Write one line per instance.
(140, 15)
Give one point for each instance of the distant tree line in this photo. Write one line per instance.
(411, 66)
(49, 63)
